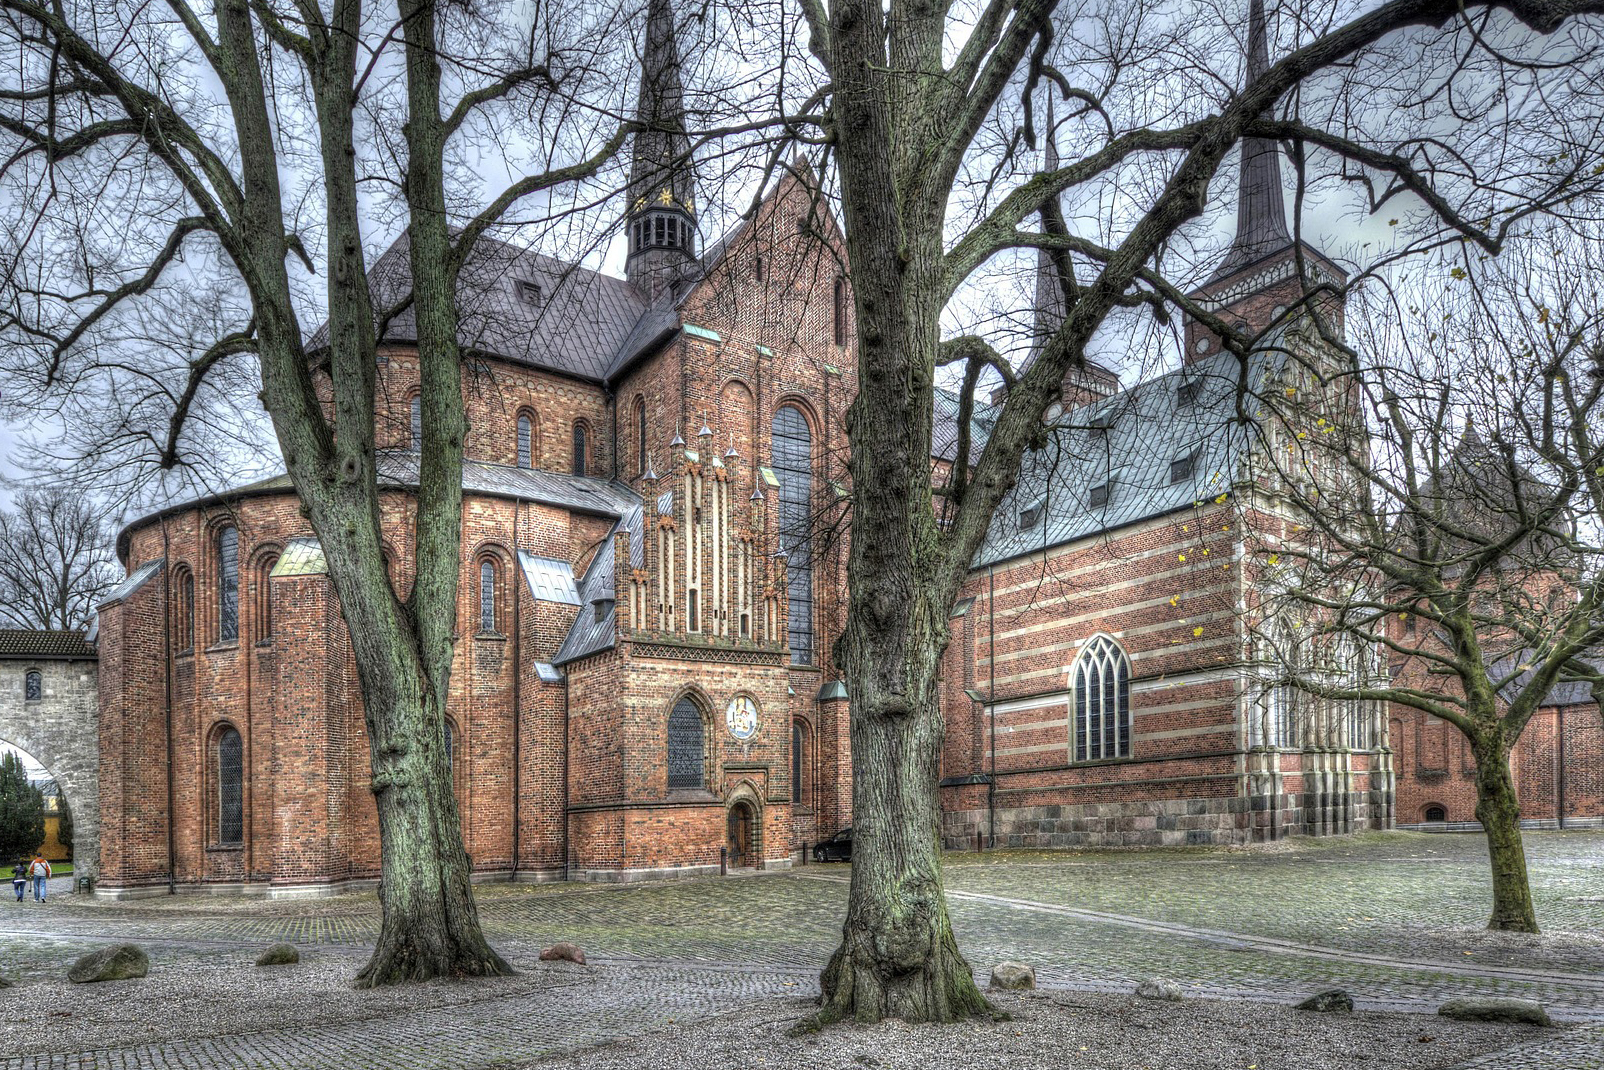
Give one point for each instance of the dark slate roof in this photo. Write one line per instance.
(41, 643)
(588, 635)
(655, 326)
(944, 428)
(1563, 693)
(580, 493)
(593, 632)
(576, 328)
(1148, 429)
(136, 579)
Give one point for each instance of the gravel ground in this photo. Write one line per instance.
(190, 995)
(1086, 1032)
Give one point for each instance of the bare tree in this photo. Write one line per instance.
(925, 129)
(56, 560)
(1445, 476)
(146, 146)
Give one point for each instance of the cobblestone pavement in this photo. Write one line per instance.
(1366, 914)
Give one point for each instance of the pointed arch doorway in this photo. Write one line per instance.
(742, 835)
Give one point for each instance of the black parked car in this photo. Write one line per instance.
(837, 848)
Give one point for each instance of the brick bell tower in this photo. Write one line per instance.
(1265, 272)
(661, 219)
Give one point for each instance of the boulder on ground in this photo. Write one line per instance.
(563, 951)
(1159, 989)
(117, 963)
(1495, 1009)
(279, 955)
(1012, 976)
(1331, 1001)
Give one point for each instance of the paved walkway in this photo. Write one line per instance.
(684, 949)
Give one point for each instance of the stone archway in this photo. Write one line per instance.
(60, 728)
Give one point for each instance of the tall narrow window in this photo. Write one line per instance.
(487, 596)
(416, 441)
(801, 787)
(840, 312)
(686, 759)
(640, 436)
(526, 442)
(230, 787)
(1282, 719)
(1285, 720)
(1102, 682)
(579, 449)
(451, 742)
(34, 687)
(228, 585)
(264, 599)
(184, 611)
(792, 453)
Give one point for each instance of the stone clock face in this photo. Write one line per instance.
(741, 717)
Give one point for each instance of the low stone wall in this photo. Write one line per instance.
(1160, 823)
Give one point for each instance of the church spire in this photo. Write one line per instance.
(1049, 312)
(1261, 213)
(1081, 384)
(661, 218)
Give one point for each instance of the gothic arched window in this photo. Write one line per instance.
(487, 595)
(526, 441)
(791, 450)
(228, 585)
(581, 433)
(1102, 684)
(33, 688)
(415, 441)
(451, 743)
(230, 786)
(687, 759)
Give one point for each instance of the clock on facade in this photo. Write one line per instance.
(741, 717)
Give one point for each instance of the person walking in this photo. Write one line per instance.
(19, 878)
(39, 870)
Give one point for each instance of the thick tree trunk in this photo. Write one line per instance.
(898, 957)
(430, 924)
(1498, 810)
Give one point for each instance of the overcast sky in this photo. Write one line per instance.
(35, 770)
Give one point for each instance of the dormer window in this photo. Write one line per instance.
(530, 293)
(1186, 394)
(1182, 467)
(1098, 496)
(1031, 515)
(1100, 425)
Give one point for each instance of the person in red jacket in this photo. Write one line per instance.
(39, 870)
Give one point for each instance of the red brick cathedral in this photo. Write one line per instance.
(643, 682)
